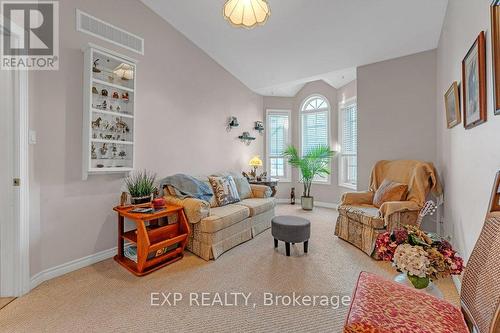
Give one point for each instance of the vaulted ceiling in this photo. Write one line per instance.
(307, 40)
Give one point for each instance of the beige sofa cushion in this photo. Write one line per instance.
(258, 205)
(223, 217)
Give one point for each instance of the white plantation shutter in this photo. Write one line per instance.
(315, 126)
(349, 144)
(314, 130)
(278, 138)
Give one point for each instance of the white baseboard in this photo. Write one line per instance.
(71, 266)
(316, 203)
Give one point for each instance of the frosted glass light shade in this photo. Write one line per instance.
(255, 162)
(124, 71)
(246, 13)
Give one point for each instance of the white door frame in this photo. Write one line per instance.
(14, 238)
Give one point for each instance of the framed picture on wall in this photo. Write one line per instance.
(452, 106)
(474, 83)
(495, 46)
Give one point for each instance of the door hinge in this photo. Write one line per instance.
(17, 182)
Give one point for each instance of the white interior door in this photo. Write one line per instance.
(9, 193)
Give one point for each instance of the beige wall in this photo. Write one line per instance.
(347, 92)
(183, 100)
(467, 159)
(396, 117)
(328, 193)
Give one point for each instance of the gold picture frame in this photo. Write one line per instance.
(452, 106)
(474, 84)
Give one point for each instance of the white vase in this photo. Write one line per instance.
(431, 288)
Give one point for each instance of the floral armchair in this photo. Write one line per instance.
(360, 221)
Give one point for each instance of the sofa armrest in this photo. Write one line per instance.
(357, 198)
(195, 209)
(261, 191)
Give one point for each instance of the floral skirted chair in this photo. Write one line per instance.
(396, 194)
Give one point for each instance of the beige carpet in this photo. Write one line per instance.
(106, 298)
(4, 301)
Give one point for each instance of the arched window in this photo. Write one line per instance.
(315, 125)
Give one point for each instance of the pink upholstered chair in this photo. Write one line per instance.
(381, 306)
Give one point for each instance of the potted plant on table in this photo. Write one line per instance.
(140, 185)
(315, 163)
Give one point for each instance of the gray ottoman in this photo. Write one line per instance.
(290, 229)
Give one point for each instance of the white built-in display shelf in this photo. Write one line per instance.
(108, 112)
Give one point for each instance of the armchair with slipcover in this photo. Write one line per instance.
(360, 221)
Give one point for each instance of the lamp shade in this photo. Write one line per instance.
(246, 13)
(255, 162)
(124, 71)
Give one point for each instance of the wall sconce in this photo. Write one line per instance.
(246, 138)
(231, 123)
(259, 126)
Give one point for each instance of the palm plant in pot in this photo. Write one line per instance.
(315, 163)
(140, 185)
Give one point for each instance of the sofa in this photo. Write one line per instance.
(360, 221)
(214, 229)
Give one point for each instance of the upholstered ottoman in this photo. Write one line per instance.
(290, 229)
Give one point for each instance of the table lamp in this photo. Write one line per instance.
(255, 163)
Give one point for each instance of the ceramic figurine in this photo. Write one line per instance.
(94, 135)
(116, 95)
(100, 166)
(93, 154)
(94, 90)
(118, 108)
(108, 136)
(94, 68)
(122, 126)
(104, 92)
(104, 149)
(122, 154)
(125, 96)
(97, 123)
(111, 107)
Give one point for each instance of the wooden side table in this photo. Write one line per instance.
(271, 182)
(152, 239)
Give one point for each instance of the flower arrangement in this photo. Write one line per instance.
(422, 256)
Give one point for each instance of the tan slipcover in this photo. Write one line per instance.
(258, 205)
(360, 222)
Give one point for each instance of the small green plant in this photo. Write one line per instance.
(314, 163)
(140, 183)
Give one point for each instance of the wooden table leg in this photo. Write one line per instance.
(120, 234)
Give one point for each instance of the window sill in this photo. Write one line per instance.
(349, 186)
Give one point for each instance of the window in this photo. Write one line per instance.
(348, 128)
(278, 137)
(315, 126)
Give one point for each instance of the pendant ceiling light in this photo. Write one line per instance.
(246, 13)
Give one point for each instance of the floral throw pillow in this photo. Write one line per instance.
(225, 190)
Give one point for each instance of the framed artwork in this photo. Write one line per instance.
(452, 106)
(495, 46)
(474, 83)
